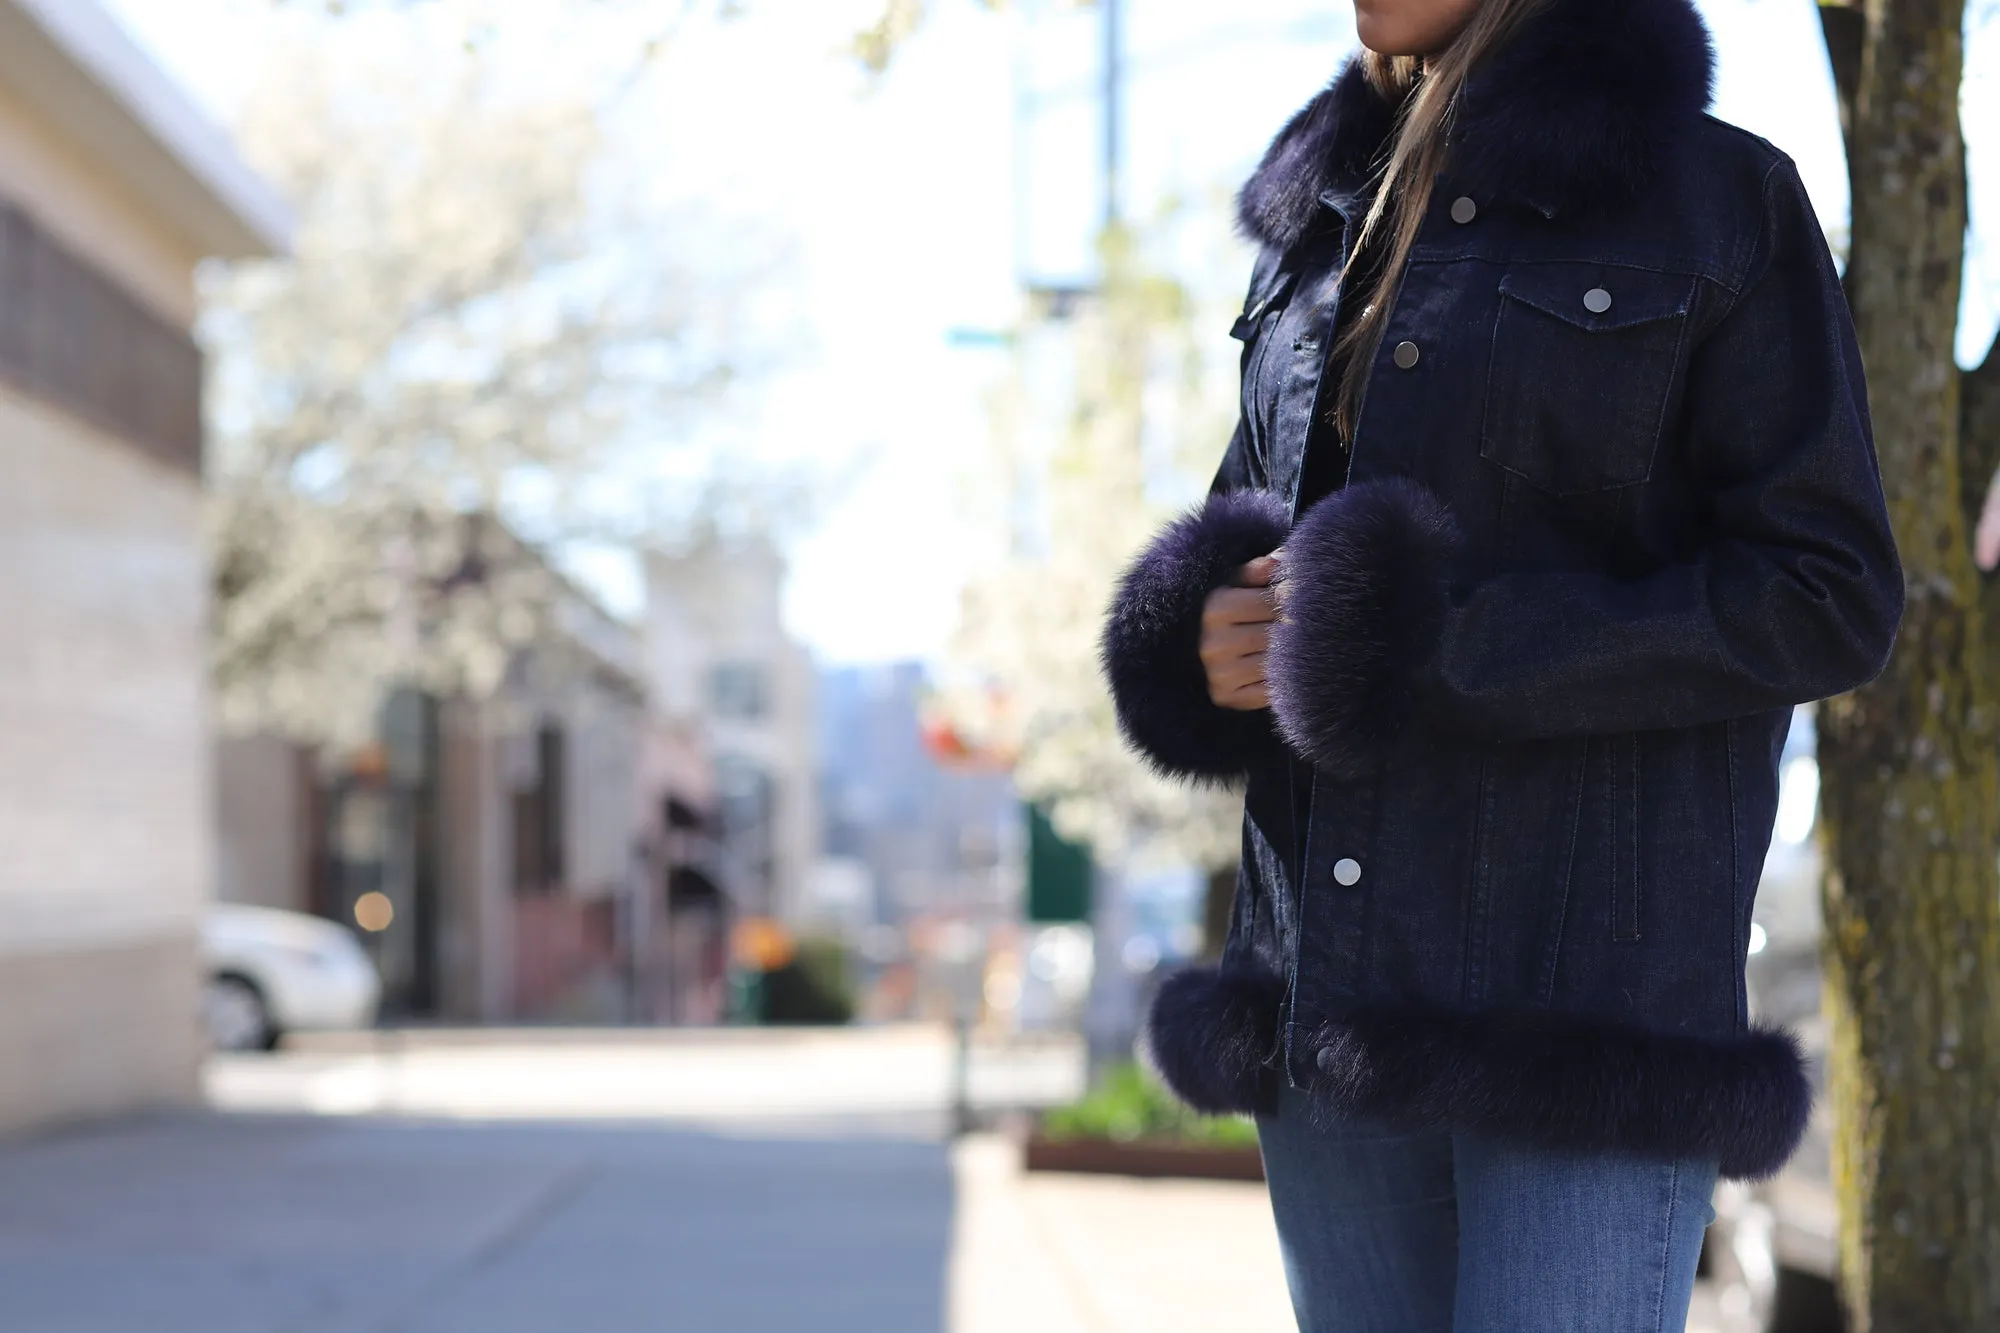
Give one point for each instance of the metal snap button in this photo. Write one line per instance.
(1406, 355)
(1464, 210)
(1327, 1059)
(1347, 872)
(1597, 300)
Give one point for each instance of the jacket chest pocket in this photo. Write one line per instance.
(1585, 363)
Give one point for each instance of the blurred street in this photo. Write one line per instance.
(609, 1181)
(219, 1225)
(606, 1183)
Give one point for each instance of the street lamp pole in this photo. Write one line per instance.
(1114, 107)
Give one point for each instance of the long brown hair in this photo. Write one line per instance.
(1426, 91)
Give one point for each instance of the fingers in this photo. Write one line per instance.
(1233, 661)
(1259, 573)
(1235, 630)
(1249, 699)
(1230, 643)
(1237, 606)
(1241, 687)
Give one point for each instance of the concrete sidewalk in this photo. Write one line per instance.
(214, 1224)
(1101, 1254)
(228, 1225)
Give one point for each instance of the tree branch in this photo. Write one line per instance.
(1845, 28)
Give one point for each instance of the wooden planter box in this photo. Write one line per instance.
(1152, 1159)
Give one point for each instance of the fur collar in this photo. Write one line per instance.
(1568, 118)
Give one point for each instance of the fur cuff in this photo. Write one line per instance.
(1211, 1036)
(1571, 1084)
(1366, 586)
(1152, 640)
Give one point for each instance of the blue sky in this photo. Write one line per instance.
(905, 209)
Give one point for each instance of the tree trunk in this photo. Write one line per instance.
(1911, 778)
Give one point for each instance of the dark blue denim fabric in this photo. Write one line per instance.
(1674, 531)
(1649, 425)
(1393, 1231)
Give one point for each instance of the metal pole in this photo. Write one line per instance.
(1114, 107)
(962, 1119)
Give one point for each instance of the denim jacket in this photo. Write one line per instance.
(1612, 509)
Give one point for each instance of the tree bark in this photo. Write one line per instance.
(1846, 30)
(1911, 777)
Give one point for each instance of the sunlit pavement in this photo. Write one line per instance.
(1099, 1254)
(541, 1183)
(730, 1078)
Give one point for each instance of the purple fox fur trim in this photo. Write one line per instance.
(1366, 587)
(1570, 1083)
(1213, 1036)
(1151, 649)
(1540, 1077)
(1334, 138)
(1571, 116)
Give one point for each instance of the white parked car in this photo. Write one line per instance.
(273, 972)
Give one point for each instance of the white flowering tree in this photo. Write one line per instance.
(1083, 482)
(461, 336)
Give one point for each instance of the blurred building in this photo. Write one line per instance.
(925, 854)
(503, 833)
(722, 668)
(918, 835)
(579, 847)
(112, 189)
(685, 911)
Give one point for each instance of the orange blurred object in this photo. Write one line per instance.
(944, 742)
(955, 746)
(763, 944)
(370, 763)
(374, 913)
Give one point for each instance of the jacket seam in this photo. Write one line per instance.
(1472, 974)
(1577, 792)
(1709, 272)
(1760, 248)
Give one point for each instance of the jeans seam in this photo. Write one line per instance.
(1666, 1249)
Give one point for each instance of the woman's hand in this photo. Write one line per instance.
(1235, 629)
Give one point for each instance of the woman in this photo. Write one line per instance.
(1553, 492)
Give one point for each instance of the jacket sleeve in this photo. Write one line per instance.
(1151, 646)
(1794, 592)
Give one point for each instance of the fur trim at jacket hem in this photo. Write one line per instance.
(1212, 1037)
(1538, 1077)
(1366, 578)
(1151, 650)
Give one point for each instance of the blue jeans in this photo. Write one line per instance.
(1392, 1232)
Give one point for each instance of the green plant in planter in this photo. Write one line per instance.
(814, 988)
(1129, 1105)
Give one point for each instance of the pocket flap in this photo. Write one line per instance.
(1598, 299)
(1262, 302)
